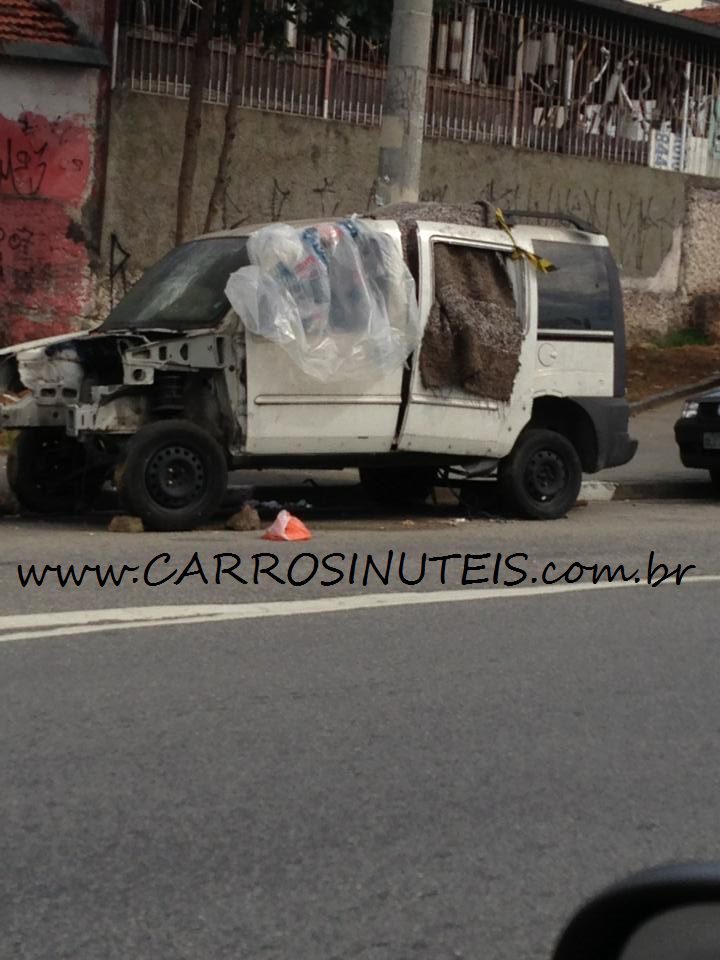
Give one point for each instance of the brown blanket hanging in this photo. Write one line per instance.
(473, 334)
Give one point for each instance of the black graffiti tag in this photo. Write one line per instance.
(23, 170)
(19, 241)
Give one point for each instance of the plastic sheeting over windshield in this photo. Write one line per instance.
(337, 297)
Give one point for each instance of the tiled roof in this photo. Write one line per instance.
(35, 21)
(703, 14)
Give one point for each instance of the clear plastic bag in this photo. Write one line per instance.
(338, 297)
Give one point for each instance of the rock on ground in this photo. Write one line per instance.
(126, 525)
(245, 519)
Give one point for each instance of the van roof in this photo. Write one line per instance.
(460, 214)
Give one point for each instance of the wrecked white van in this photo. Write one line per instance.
(407, 346)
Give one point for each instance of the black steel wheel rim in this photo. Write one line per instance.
(546, 476)
(176, 477)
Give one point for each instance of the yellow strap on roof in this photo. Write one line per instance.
(540, 263)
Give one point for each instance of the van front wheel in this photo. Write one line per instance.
(174, 475)
(541, 476)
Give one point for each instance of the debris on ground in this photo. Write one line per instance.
(287, 527)
(272, 506)
(126, 525)
(264, 505)
(245, 519)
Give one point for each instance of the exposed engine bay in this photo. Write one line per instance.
(113, 383)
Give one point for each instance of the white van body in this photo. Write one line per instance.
(262, 410)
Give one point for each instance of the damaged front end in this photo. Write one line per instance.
(28, 399)
(112, 384)
(165, 368)
(62, 383)
(78, 401)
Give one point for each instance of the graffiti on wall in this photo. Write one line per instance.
(640, 228)
(41, 157)
(119, 258)
(44, 176)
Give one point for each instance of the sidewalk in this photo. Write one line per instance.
(656, 470)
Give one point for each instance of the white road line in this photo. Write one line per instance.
(77, 622)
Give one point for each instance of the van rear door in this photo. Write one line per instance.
(581, 331)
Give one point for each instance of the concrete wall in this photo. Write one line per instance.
(294, 167)
(48, 114)
(285, 167)
(289, 167)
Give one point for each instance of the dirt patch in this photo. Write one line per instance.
(652, 370)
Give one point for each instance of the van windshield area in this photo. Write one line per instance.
(183, 291)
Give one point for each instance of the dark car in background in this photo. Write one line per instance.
(697, 433)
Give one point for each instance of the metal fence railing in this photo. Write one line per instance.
(569, 79)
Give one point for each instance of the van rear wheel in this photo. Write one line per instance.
(540, 478)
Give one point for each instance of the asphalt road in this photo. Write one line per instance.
(398, 773)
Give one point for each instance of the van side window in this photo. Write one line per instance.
(577, 295)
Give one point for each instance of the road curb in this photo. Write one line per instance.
(677, 393)
(602, 491)
(597, 491)
(669, 490)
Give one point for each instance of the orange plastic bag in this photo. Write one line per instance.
(287, 527)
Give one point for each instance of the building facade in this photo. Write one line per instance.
(53, 112)
(605, 108)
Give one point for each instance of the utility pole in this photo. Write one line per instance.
(403, 123)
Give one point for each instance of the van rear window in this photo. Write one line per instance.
(577, 295)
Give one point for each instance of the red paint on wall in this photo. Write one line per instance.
(43, 269)
(44, 180)
(44, 158)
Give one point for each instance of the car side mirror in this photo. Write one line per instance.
(666, 913)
